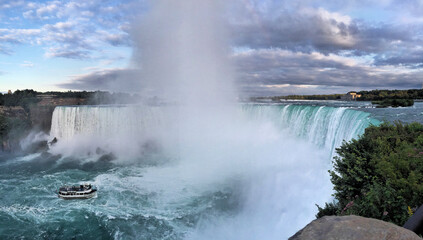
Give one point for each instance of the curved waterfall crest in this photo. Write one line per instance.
(271, 160)
(323, 126)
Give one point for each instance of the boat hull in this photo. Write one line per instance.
(76, 196)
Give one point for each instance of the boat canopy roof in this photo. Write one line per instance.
(75, 188)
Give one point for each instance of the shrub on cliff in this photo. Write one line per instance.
(23, 98)
(12, 130)
(3, 127)
(379, 175)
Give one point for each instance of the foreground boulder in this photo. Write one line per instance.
(351, 228)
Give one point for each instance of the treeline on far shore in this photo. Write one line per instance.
(378, 95)
(302, 97)
(25, 98)
(373, 95)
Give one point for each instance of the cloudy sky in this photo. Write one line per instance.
(278, 47)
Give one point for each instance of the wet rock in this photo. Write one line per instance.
(39, 146)
(13, 112)
(351, 228)
(52, 142)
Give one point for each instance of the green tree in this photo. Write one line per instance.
(379, 175)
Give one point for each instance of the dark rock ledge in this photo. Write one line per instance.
(353, 228)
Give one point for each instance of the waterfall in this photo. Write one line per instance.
(122, 130)
(270, 160)
(323, 126)
(111, 126)
(105, 121)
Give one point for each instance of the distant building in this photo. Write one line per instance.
(9, 92)
(350, 96)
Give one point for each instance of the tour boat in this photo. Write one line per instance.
(77, 192)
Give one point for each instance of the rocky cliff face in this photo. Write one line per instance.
(61, 101)
(353, 228)
(40, 114)
(13, 112)
(16, 115)
(40, 117)
(20, 122)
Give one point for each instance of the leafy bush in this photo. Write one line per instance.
(28, 97)
(394, 103)
(3, 127)
(22, 98)
(390, 94)
(12, 130)
(380, 175)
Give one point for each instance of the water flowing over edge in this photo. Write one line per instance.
(323, 126)
(255, 175)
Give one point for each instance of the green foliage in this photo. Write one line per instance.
(4, 127)
(26, 98)
(98, 97)
(17, 127)
(381, 174)
(330, 209)
(302, 97)
(22, 98)
(315, 97)
(12, 130)
(394, 103)
(374, 95)
(378, 95)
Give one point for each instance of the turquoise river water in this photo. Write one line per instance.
(255, 175)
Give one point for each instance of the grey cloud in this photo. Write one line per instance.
(75, 29)
(120, 80)
(68, 33)
(414, 7)
(296, 32)
(5, 4)
(11, 37)
(5, 51)
(414, 59)
(67, 53)
(273, 72)
(67, 40)
(117, 39)
(297, 27)
(309, 33)
(277, 67)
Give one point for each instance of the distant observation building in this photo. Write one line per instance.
(350, 96)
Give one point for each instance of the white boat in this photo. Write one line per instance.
(77, 192)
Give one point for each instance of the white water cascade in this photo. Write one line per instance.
(273, 158)
(122, 130)
(128, 127)
(323, 126)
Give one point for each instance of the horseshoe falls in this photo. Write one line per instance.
(254, 174)
(322, 126)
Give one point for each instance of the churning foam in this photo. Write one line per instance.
(274, 157)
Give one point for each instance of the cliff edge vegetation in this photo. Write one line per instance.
(380, 175)
(373, 95)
